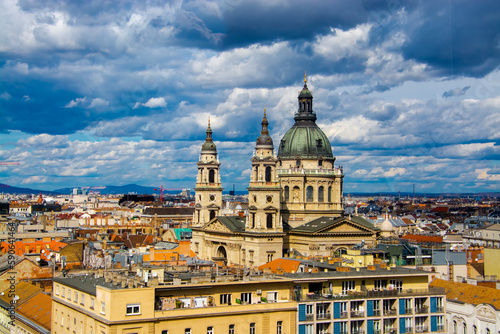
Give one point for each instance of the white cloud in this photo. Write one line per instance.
(155, 102)
(76, 102)
(98, 103)
(34, 179)
(483, 174)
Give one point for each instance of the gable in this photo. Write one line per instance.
(216, 225)
(327, 225)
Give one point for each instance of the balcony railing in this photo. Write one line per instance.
(323, 316)
(408, 330)
(344, 315)
(423, 309)
(391, 311)
(440, 309)
(390, 330)
(421, 329)
(309, 317)
(357, 331)
(377, 331)
(408, 310)
(357, 314)
(369, 294)
(440, 328)
(376, 313)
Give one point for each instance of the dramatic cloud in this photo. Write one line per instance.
(100, 92)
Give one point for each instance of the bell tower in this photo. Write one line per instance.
(264, 189)
(208, 190)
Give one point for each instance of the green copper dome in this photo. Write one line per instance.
(305, 139)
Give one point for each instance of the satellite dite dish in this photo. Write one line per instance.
(37, 259)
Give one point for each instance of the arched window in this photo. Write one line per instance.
(321, 194)
(464, 325)
(212, 215)
(329, 194)
(320, 163)
(474, 329)
(309, 194)
(287, 194)
(269, 221)
(253, 220)
(298, 162)
(268, 174)
(211, 176)
(454, 327)
(256, 173)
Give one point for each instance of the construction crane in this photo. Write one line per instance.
(162, 190)
(8, 163)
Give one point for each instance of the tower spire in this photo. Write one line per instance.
(305, 77)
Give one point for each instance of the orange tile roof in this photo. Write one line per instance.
(38, 309)
(468, 293)
(24, 290)
(287, 265)
(423, 238)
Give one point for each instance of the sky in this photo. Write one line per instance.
(101, 92)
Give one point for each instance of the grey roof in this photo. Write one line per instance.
(85, 283)
(396, 222)
(234, 223)
(320, 224)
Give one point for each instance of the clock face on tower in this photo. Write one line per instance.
(212, 198)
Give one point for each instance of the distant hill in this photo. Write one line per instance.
(6, 189)
(117, 190)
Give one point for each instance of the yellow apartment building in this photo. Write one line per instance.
(347, 300)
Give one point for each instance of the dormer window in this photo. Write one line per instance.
(319, 142)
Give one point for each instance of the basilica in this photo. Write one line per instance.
(294, 200)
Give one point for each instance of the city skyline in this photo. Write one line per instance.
(103, 93)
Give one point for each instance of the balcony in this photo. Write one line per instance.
(309, 317)
(408, 311)
(377, 331)
(440, 328)
(323, 316)
(357, 314)
(422, 309)
(357, 331)
(440, 309)
(390, 330)
(391, 311)
(369, 294)
(421, 329)
(344, 315)
(408, 330)
(376, 313)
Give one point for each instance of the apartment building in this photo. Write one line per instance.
(365, 300)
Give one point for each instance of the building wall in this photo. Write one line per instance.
(491, 263)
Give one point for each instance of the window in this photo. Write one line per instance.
(231, 329)
(246, 297)
(348, 286)
(57, 289)
(269, 220)
(225, 298)
(211, 176)
(76, 297)
(63, 291)
(268, 174)
(287, 193)
(329, 194)
(91, 303)
(187, 331)
(69, 294)
(133, 309)
(309, 309)
(397, 284)
(164, 331)
(279, 327)
(210, 330)
(309, 329)
(380, 284)
(82, 299)
(252, 328)
(69, 318)
(103, 307)
(62, 319)
(309, 194)
(321, 194)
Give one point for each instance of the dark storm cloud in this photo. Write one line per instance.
(458, 37)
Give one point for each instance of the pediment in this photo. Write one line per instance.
(216, 225)
(344, 226)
